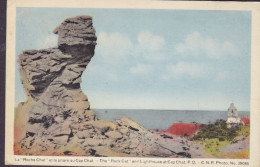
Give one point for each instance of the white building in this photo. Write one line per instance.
(233, 119)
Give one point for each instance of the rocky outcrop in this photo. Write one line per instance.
(238, 145)
(57, 119)
(51, 79)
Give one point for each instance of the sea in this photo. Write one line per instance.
(163, 119)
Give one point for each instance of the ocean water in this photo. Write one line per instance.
(163, 119)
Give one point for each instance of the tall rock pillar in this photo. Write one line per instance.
(51, 79)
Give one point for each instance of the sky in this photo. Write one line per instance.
(154, 59)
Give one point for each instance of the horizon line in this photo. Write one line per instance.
(164, 109)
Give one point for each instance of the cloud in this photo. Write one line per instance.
(197, 45)
(187, 69)
(113, 45)
(49, 41)
(118, 46)
(112, 77)
(141, 69)
(150, 41)
(224, 75)
(154, 56)
(150, 46)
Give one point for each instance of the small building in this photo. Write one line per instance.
(245, 120)
(184, 129)
(233, 119)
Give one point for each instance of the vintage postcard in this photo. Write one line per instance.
(136, 83)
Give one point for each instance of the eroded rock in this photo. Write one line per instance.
(51, 78)
(56, 119)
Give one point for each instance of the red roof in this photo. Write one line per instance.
(245, 120)
(184, 129)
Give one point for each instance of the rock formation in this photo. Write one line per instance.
(51, 79)
(56, 119)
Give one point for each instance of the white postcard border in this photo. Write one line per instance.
(10, 158)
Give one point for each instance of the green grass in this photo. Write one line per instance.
(213, 146)
(217, 130)
(216, 136)
(244, 130)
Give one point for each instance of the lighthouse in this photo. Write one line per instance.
(233, 119)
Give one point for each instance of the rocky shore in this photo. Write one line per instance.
(57, 119)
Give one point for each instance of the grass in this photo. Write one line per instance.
(217, 130)
(213, 146)
(216, 136)
(244, 130)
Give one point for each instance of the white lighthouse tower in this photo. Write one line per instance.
(233, 119)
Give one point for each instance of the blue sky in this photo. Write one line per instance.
(154, 59)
